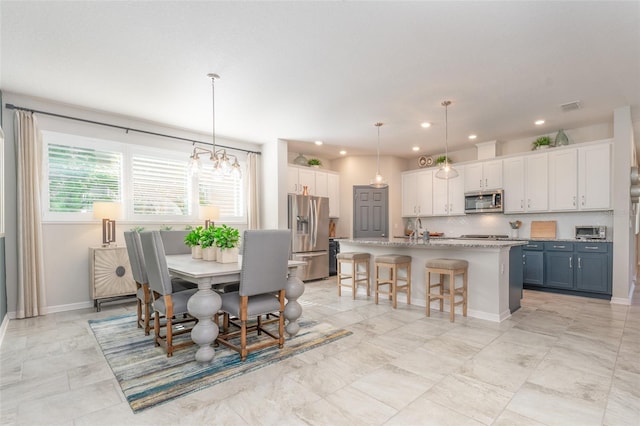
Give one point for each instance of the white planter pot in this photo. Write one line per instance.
(228, 255)
(209, 253)
(196, 252)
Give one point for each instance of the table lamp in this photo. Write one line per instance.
(108, 212)
(210, 214)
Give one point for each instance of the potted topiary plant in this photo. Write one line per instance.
(207, 242)
(192, 239)
(226, 241)
(542, 142)
(314, 162)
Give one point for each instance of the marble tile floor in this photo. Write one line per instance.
(559, 360)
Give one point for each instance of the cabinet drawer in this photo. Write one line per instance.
(592, 247)
(558, 246)
(533, 246)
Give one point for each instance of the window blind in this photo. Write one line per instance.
(222, 191)
(160, 186)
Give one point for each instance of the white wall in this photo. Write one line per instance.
(274, 185)
(66, 254)
(623, 243)
(359, 170)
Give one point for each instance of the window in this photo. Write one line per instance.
(153, 184)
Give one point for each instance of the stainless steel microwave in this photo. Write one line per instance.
(484, 202)
(591, 232)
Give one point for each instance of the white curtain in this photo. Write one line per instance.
(253, 191)
(31, 285)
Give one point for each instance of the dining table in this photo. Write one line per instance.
(206, 302)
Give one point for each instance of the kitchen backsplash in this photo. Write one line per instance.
(492, 223)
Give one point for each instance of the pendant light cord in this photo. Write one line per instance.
(446, 130)
(378, 161)
(213, 107)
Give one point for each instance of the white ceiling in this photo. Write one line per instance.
(306, 71)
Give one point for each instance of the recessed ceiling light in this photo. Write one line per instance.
(426, 124)
(343, 152)
(473, 137)
(539, 122)
(318, 142)
(416, 148)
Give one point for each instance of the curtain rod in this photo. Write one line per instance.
(126, 129)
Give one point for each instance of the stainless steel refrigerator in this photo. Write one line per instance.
(309, 224)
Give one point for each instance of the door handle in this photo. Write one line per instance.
(591, 248)
(560, 247)
(579, 263)
(570, 262)
(574, 201)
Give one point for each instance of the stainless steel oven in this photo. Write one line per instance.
(484, 202)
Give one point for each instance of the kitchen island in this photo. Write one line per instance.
(495, 269)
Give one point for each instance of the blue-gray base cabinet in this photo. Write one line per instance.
(580, 268)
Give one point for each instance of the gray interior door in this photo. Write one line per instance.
(370, 212)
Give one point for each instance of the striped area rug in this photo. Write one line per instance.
(147, 377)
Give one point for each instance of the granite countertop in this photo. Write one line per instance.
(435, 242)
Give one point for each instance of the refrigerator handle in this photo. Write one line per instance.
(314, 223)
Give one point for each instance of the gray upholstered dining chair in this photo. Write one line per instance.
(265, 256)
(173, 242)
(166, 302)
(139, 272)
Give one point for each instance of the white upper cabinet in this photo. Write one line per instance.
(483, 176)
(318, 182)
(563, 180)
(594, 177)
(536, 183)
(322, 184)
(448, 194)
(416, 193)
(514, 197)
(580, 178)
(333, 184)
(526, 184)
(298, 178)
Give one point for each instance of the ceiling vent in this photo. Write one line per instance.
(570, 106)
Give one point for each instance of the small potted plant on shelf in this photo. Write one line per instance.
(192, 239)
(226, 241)
(542, 142)
(207, 242)
(314, 162)
(442, 159)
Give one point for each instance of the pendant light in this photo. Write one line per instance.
(446, 171)
(221, 160)
(378, 181)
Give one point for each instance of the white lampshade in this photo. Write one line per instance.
(107, 210)
(209, 212)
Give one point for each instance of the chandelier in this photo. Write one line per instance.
(221, 159)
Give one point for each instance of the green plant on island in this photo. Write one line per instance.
(442, 159)
(226, 237)
(541, 141)
(314, 162)
(166, 227)
(192, 239)
(207, 237)
(137, 229)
